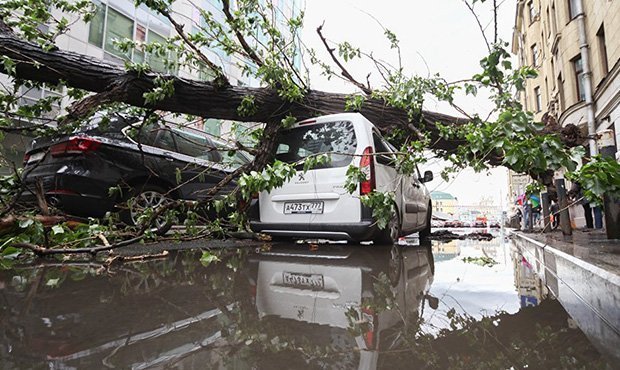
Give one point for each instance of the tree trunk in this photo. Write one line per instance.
(201, 98)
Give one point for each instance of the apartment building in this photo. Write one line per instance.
(575, 46)
(121, 19)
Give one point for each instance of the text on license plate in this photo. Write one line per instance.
(303, 207)
(312, 281)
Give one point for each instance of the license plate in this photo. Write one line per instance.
(36, 157)
(297, 280)
(303, 207)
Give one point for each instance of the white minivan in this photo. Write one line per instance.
(315, 204)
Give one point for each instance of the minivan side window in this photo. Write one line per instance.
(387, 157)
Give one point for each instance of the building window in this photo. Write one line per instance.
(533, 13)
(537, 99)
(535, 55)
(561, 92)
(579, 78)
(602, 47)
(573, 9)
(554, 24)
(95, 34)
(109, 25)
(157, 60)
(118, 27)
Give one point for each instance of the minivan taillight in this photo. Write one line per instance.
(75, 145)
(367, 166)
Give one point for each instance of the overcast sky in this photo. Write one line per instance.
(436, 36)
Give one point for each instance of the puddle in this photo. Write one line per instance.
(292, 306)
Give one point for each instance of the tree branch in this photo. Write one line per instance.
(343, 70)
(201, 98)
(242, 41)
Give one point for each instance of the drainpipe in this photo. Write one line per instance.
(587, 76)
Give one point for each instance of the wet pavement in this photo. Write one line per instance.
(445, 304)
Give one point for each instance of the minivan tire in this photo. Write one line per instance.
(391, 232)
(426, 232)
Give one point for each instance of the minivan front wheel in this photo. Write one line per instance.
(426, 232)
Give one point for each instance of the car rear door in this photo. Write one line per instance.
(318, 195)
(202, 169)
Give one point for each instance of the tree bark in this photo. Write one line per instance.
(202, 98)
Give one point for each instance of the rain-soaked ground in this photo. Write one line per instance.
(455, 304)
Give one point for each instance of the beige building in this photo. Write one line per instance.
(444, 202)
(575, 46)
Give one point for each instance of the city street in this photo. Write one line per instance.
(467, 302)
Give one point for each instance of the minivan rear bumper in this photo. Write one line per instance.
(357, 231)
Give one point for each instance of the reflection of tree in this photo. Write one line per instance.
(535, 337)
(132, 313)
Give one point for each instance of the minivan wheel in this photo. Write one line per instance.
(395, 265)
(141, 198)
(391, 232)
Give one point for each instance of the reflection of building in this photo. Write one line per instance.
(577, 55)
(529, 286)
(443, 251)
(444, 202)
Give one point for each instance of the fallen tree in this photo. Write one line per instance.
(31, 58)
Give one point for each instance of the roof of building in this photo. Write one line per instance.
(441, 195)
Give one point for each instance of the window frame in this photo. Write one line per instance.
(579, 78)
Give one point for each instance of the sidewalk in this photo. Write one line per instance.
(583, 272)
(588, 245)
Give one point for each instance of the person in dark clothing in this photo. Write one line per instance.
(576, 193)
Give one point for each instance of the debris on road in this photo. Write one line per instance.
(449, 235)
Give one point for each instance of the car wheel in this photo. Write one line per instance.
(424, 233)
(141, 198)
(395, 265)
(391, 232)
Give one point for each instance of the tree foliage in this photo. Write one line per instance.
(267, 48)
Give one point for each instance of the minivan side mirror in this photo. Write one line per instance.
(428, 176)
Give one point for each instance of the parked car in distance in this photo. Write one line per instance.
(151, 163)
(315, 204)
(480, 221)
(453, 223)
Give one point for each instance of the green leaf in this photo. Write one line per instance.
(24, 224)
(208, 258)
(52, 282)
(57, 229)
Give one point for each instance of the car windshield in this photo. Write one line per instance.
(334, 138)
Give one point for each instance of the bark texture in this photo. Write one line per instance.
(201, 98)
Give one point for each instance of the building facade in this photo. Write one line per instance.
(575, 46)
(444, 202)
(121, 19)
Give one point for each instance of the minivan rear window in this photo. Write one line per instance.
(335, 138)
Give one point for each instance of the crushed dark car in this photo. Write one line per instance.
(97, 168)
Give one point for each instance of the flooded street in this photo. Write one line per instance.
(459, 304)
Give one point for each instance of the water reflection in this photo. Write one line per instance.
(356, 302)
(291, 306)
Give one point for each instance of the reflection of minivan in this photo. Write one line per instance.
(316, 204)
(319, 290)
